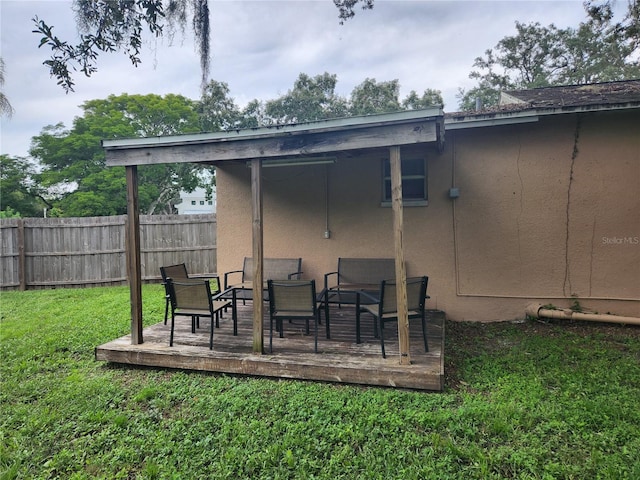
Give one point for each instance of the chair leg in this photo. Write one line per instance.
(326, 319)
(234, 317)
(317, 320)
(424, 333)
(166, 310)
(173, 321)
(381, 332)
(270, 334)
(211, 335)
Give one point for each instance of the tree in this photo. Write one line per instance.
(599, 50)
(112, 25)
(5, 105)
(19, 193)
(312, 98)
(253, 115)
(216, 109)
(315, 98)
(429, 98)
(372, 97)
(73, 160)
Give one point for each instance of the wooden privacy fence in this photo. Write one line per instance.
(90, 251)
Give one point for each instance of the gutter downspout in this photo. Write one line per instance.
(538, 311)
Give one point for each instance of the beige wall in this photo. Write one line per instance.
(546, 210)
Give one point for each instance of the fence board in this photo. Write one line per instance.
(90, 251)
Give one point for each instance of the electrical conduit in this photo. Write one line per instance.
(538, 311)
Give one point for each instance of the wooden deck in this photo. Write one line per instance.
(339, 359)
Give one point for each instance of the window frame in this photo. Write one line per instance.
(408, 202)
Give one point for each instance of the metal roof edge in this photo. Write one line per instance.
(277, 130)
(488, 119)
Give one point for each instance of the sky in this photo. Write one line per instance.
(260, 47)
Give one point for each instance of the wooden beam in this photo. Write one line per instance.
(401, 274)
(134, 270)
(256, 208)
(276, 145)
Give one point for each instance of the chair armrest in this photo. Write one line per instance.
(289, 276)
(226, 277)
(326, 279)
(204, 276)
(223, 295)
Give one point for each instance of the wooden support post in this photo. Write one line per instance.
(401, 274)
(256, 208)
(22, 264)
(134, 270)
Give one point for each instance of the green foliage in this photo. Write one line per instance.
(19, 196)
(9, 213)
(104, 26)
(429, 98)
(107, 26)
(216, 109)
(526, 401)
(598, 50)
(347, 7)
(372, 97)
(312, 98)
(74, 164)
(5, 106)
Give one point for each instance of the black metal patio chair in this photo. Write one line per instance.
(386, 308)
(178, 273)
(195, 299)
(292, 300)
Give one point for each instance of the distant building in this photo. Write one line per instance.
(196, 202)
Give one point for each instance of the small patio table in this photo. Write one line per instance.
(351, 294)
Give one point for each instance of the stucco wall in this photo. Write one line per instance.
(546, 210)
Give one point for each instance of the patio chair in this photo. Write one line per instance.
(195, 299)
(292, 300)
(178, 273)
(386, 309)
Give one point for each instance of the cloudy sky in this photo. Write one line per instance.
(260, 47)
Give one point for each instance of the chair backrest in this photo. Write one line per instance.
(175, 272)
(273, 268)
(297, 296)
(365, 270)
(416, 293)
(194, 294)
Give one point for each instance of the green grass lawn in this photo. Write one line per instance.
(523, 400)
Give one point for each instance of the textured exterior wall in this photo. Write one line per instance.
(547, 211)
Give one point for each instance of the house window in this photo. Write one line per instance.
(193, 202)
(414, 181)
(210, 202)
(201, 202)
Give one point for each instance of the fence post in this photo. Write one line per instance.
(22, 273)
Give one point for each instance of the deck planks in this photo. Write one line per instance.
(340, 359)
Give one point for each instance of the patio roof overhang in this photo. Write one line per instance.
(301, 143)
(282, 141)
